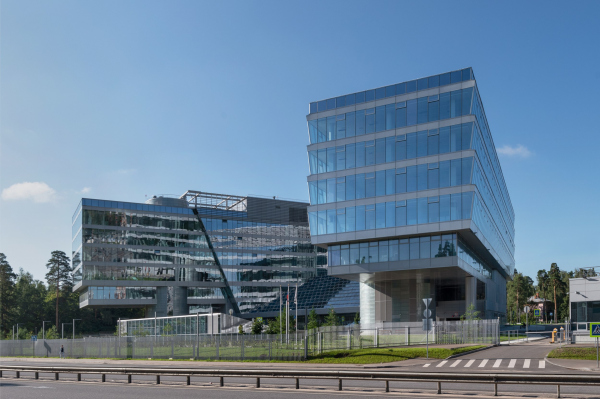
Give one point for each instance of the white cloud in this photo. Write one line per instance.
(86, 190)
(34, 191)
(519, 151)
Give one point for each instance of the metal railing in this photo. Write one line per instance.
(383, 376)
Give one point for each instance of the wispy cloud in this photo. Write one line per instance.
(520, 151)
(85, 190)
(126, 171)
(30, 191)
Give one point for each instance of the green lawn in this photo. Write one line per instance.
(383, 355)
(574, 353)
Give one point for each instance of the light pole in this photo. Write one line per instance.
(63, 330)
(44, 328)
(74, 327)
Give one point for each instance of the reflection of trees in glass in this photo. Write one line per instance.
(447, 250)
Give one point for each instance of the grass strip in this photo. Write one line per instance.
(573, 353)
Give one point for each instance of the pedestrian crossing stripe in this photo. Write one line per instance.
(497, 363)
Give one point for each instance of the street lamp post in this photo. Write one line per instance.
(44, 328)
(74, 327)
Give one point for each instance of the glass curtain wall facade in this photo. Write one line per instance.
(405, 187)
(180, 256)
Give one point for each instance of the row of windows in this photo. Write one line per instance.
(443, 208)
(392, 90)
(392, 116)
(118, 293)
(393, 250)
(451, 173)
(135, 219)
(389, 149)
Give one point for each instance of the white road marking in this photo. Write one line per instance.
(512, 363)
(455, 363)
(526, 364)
(542, 364)
(497, 364)
(470, 362)
(483, 363)
(442, 363)
(427, 365)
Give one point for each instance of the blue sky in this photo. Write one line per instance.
(125, 99)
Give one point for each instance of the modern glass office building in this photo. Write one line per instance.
(408, 197)
(201, 252)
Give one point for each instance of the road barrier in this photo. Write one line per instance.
(383, 376)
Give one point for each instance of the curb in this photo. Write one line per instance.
(469, 352)
(571, 368)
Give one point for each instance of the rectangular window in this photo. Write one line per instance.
(424, 250)
(340, 102)
(341, 220)
(369, 185)
(421, 177)
(312, 190)
(331, 159)
(455, 206)
(432, 142)
(445, 208)
(331, 190)
(467, 166)
(350, 156)
(380, 215)
(411, 145)
(390, 149)
(322, 191)
(455, 104)
(322, 160)
(414, 248)
(434, 81)
(393, 248)
(411, 179)
(360, 97)
(401, 213)
(411, 86)
(390, 181)
(360, 122)
(340, 157)
(370, 95)
(330, 128)
(322, 216)
(380, 118)
(331, 103)
(444, 174)
(380, 183)
(404, 249)
(373, 252)
(411, 212)
(422, 106)
(350, 219)
(379, 151)
(312, 221)
(400, 180)
(360, 154)
(433, 176)
(445, 106)
(341, 189)
(422, 204)
(360, 218)
(390, 116)
(456, 76)
(422, 143)
(390, 214)
(434, 109)
(400, 88)
(350, 99)
(369, 217)
(422, 84)
(411, 112)
(331, 221)
(312, 162)
(370, 153)
(401, 147)
(350, 187)
(455, 172)
(467, 200)
(455, 138)
(466, 100)
(466, 133)
(390, 91)
(340, 126)
(350, 124)
(322, 129)
(370, 120)
(400, 114)
(383, 251)
(312, 131)
(444, 139)
(360, 186)
(434, 210)
(445, 79)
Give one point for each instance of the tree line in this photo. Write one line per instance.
(27, 302)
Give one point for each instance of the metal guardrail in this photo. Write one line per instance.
(384, 376)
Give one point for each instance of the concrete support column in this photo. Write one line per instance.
(470, 292)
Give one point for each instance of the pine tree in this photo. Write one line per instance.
(543, 280)
(59, 275)
(557, 285)
(332, 318)
(257, 325)
(7, 285)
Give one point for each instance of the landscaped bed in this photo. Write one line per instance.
(574, 353)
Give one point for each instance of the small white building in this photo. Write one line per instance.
(584, 297)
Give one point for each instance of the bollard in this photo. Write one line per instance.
(37, 375)
(103, 377)
(129, 378)
(18, 374)
(297, 383)
(78, 376)
(387, 386)
(495, 389)
(188, 380)
(258, 382)
(158, 379)
(0, 373)
(439, 388)
(221, 381)
(558, 391)
(56, 376)
(340, 384)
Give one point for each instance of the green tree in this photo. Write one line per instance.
(30, 295)
(543, 282)
(52, 333)
(241, 330)
(470, 314)
(313, 320)
(583, 273)
(558, 286)
(272, 327)
(518, 292)
(59, 275)
(357, 318)
(257, 325)
(331, 319)
(7, 285)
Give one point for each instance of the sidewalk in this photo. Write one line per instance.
(522, 340)
(574, 364)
